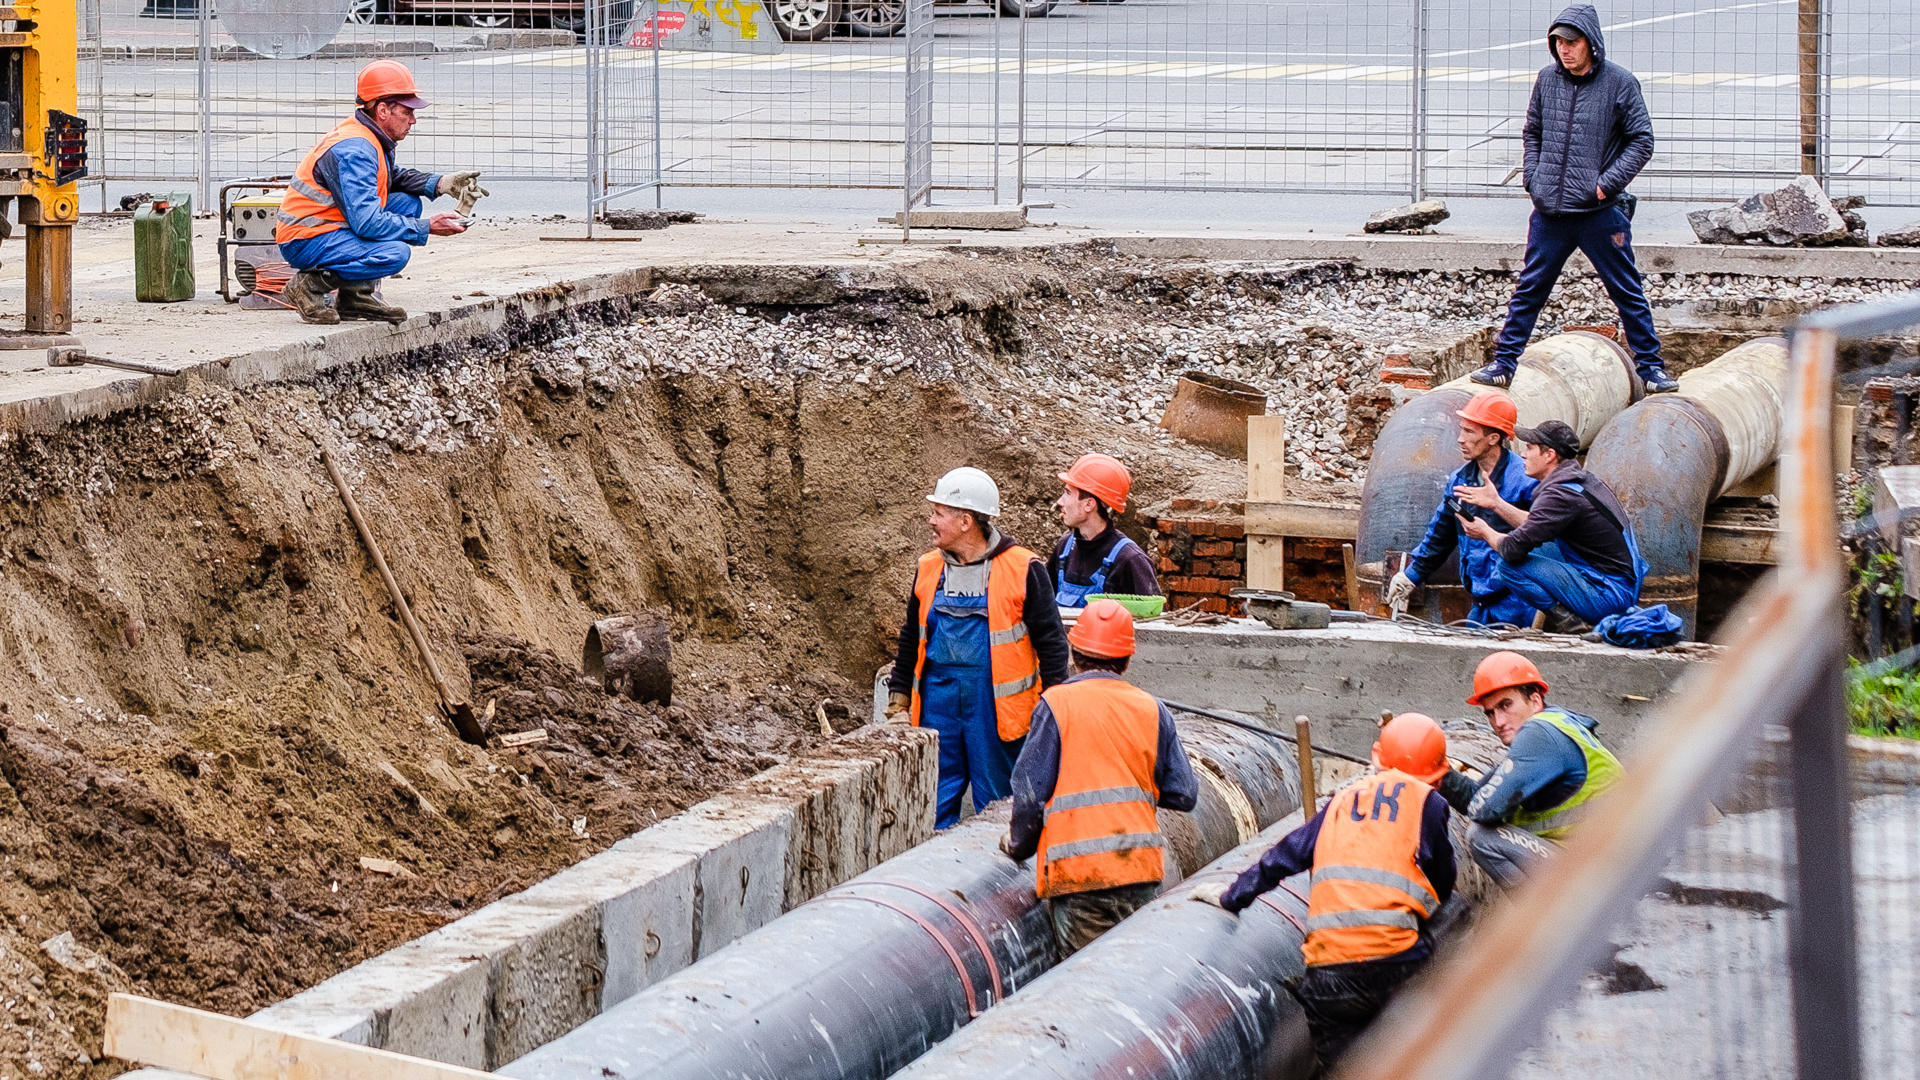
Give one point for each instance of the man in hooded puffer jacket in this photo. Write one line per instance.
(1587, 136)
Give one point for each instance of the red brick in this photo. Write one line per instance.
(1201, 528)
(1185, 506)
(1218, 605)
(1211, 548)
(1232, 530)
(1610, 332)
(1201, 568)
(1227, 568)
(1177, 585)
(1235, 507)
(1167, 566)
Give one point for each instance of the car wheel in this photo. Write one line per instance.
(488, 22)
(804, 20)
(876, 18)
(367, 12)
(1035, 9)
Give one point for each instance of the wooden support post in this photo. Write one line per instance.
(1811, 32)
(49, 279)
(207, 1044)
(1303, 744)
(1352, 566)
(1843, 438)
(1266, 482)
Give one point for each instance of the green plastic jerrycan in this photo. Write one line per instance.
(163, 250)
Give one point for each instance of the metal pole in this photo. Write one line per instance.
(1419, 170)
(659, 180)
(1811, 27)
(205, 11)
(594, 58)
(1820, 922)
(1020, 117)
(996, 102)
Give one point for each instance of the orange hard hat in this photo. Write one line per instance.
(1414, 744)
(1101, 477)
(1491, 409)
(1104, 629)
(385, 80)
(1501, 670)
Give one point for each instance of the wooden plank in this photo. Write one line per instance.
(1266, 458)
(207, 1044)
(522, 738)
(1265, 558)
(1324, 521)
(1843, 438)
(1352, 566)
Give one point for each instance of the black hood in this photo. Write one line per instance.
(1584, 18)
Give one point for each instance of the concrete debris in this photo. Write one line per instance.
(631, 220)
(80, 960)
(1409, 218)
(1798, 215)
(1907, 235)
(384, 866)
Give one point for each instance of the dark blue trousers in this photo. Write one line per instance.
(1606, 237)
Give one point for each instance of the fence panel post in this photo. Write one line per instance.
(917, 115)
(1812, 34)
(1420, 108)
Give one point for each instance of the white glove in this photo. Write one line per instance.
(464, 186)
(1399, 591)
(1209, 892)
(899, 709)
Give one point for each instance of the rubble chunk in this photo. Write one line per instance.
(1798, 215)
(1907, 235)
(1409, 217)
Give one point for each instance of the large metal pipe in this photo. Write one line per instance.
(865, 978)
(1672, 454)
(1178, 991)
(1580, 378)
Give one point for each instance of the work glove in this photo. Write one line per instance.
(1399, 591)
(464, 186)
(1209, 892)
(1006, 845)
(897, 706)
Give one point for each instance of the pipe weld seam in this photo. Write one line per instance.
(953, 954)
(967, 924)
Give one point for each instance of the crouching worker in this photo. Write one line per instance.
(1382, 867)
(1555, 766)
(1100, 756)
(350, 216)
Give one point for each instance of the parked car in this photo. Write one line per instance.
(484, 14)
(812, 20)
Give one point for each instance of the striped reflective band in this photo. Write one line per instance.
(1008, 689)
(304, 222)
(1559, 819)
(1102, 844)
(1371, 876)
(324, 198)
(1080, 800)
(1008, 636)
(1396, 919)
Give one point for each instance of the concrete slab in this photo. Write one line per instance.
(1342, 677)
(741, 843)
(965, 217)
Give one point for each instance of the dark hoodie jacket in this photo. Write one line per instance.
(1585, 132)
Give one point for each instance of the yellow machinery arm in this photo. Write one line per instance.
(43, 150)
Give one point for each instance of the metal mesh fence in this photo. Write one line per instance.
(1375, 96)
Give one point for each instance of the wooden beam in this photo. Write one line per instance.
(175, 1037)
(1266, 458)
(1266, 563)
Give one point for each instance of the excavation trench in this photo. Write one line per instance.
(211, 713)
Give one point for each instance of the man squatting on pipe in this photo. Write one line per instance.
(1101, 754)
(982, 639)
(1595, 570)
(1492, 487)
(1382, 867)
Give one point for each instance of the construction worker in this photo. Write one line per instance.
(1095, 556)
(1595, 570)
(1493, 486)
(1101, 754)
(1382, 867)
(1555, 766)
(981, 640)
(350, 216)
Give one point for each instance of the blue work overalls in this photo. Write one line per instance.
(1552, 574)
(1069, 595)
(1479, 563)
(956, 700)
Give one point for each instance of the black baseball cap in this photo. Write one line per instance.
(1554, 435)
(1565, 32)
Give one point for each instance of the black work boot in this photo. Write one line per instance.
(1561, 620)
(358, 302)
(307, 292)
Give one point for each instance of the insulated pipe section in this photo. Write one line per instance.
(865, 978)
(1672, 454)
(1178, 991)
(1580, 378)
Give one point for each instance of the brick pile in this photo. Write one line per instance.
(1200, 548)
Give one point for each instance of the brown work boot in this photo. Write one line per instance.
(307, 292)
(358, 302)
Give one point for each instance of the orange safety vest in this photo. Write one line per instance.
(1369, 894)
(1100, 829)
(307, 209)
(1015, 666)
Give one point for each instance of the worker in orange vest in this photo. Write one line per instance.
(1382, 866)
(351, 217)
(981, 641)
(1100, 756)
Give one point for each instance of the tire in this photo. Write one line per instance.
(368, 12)
(1036, 9)
(488, 21)
(804, 20)
(876, 18)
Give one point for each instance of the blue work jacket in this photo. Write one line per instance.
(1479, 563)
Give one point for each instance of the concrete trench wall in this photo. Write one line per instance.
(519, 972)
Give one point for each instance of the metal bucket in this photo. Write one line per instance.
(1212, 411)
(631, 655)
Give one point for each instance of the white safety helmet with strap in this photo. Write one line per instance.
(968, 489)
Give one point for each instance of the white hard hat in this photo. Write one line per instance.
(968, 489)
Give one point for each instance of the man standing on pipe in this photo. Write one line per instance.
(1095, 556)
(1101, 755)
(982, 639)
(1493, 486)
(1554, 766)
(1382, 866)
(1595, 569)
(1586, 137)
